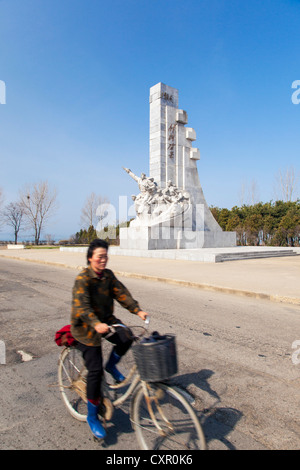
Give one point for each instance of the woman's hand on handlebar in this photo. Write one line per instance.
(102, 328)
(143, 315)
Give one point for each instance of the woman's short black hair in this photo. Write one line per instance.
(97, 243)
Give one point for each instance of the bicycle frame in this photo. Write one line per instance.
(131, 388)
(149, 400)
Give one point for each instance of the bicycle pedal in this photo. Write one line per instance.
(98, 439)
(101, 441)
(106, 410)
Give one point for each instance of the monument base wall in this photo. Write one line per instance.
(163, 238)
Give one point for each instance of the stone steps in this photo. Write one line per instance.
(254, 255)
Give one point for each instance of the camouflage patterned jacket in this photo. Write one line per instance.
(93, 302)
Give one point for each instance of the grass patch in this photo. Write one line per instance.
(41, 247)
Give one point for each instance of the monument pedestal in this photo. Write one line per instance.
(162, 238)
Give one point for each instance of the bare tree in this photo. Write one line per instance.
(13, 216)
(286, 184)
(89, 215)
(39, 203)
(1, 197)
(241, 193)
(49, 239)
(252, 193)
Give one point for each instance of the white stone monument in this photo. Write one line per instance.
(171, 209)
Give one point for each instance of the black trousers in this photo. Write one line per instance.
(92, 356)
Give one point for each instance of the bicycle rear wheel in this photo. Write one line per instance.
(173, 424)
(72, 382)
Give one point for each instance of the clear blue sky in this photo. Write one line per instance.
(78, 73)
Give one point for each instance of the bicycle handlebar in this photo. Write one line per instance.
(112, 328)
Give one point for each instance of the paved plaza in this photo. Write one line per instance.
(275, 279)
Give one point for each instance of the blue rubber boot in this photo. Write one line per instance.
(111, 367)
(93, 421)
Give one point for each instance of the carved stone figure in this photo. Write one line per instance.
(146, 185)
(154, 205)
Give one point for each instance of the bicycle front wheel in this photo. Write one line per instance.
(165, 420)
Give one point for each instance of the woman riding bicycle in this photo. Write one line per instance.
(94, 292)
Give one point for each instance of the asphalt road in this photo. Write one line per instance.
(235, 356)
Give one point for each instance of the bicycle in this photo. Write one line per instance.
(161, 416)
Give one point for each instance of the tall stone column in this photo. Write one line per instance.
(163, 134)
(172, 156)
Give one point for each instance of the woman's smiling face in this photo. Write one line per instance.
(98, 260)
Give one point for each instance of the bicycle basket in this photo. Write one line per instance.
(156, 360)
